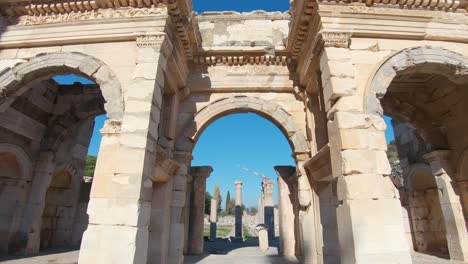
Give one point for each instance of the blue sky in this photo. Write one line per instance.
(239, 139)
(201, 6)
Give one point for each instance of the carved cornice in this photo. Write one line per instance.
(303, 19)
(447, 4)
(43, 7)
(108, 13)
(242, 60)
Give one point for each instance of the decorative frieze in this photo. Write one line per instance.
(42, 8)
(242, 60)
(107, 13)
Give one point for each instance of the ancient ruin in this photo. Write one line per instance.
(325, 73)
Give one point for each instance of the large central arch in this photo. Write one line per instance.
(193, 128)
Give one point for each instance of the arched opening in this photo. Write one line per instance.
(13, 191)
(422, 89)
(49, 112)
(241, 148)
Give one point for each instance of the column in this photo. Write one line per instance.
(260, 213)
(178, 210)
(197, 209)
(120, 206)
(286, 212)
(213, 218)
(269, 207)
(238, 226)
(455, 226)
(30, 227)
(369, 217)
(187, 211)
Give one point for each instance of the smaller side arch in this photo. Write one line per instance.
(433, 58)
(14, 81)
(22, 158)
(242, 104)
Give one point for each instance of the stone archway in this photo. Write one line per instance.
(453, 65)
(15, 179)
(17, 80)
(423, 86)
(239, 104)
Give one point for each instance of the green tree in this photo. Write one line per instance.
(392, 152)
(217, 196)
(231, 207)
(208, 198)
(90, 166)
(228, 198)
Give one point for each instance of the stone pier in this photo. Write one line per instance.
(197, 209)
(287, 216)
(450, 202)
(238, 225)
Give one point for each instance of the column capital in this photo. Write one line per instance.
(438, 155)
(201, 171)
(183, 156)
(238, 184)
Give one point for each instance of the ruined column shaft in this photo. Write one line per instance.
(213, 218)
(238, 210)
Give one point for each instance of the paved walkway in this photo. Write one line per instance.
(244, 255)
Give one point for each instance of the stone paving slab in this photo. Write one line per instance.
(235, 257)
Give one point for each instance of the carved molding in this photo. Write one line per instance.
(447, 4)
(242, 60)
(21, 8)
(336, 39)
(155, 40)
(107, 13)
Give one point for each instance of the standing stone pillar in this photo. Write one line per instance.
(455, 225)
(178, 210)
(260, 212)
(287, 221)
(369, 217)
(238, 226)
(197, 209)
(213, 218)
(187, 211)
(120, 206)
(30, 228)
(269, 207)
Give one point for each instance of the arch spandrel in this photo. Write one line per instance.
(273, 112)
(46, 65)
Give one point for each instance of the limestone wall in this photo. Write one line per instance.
(246, 31)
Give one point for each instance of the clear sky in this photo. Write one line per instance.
(239, 139)
(201, 6)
